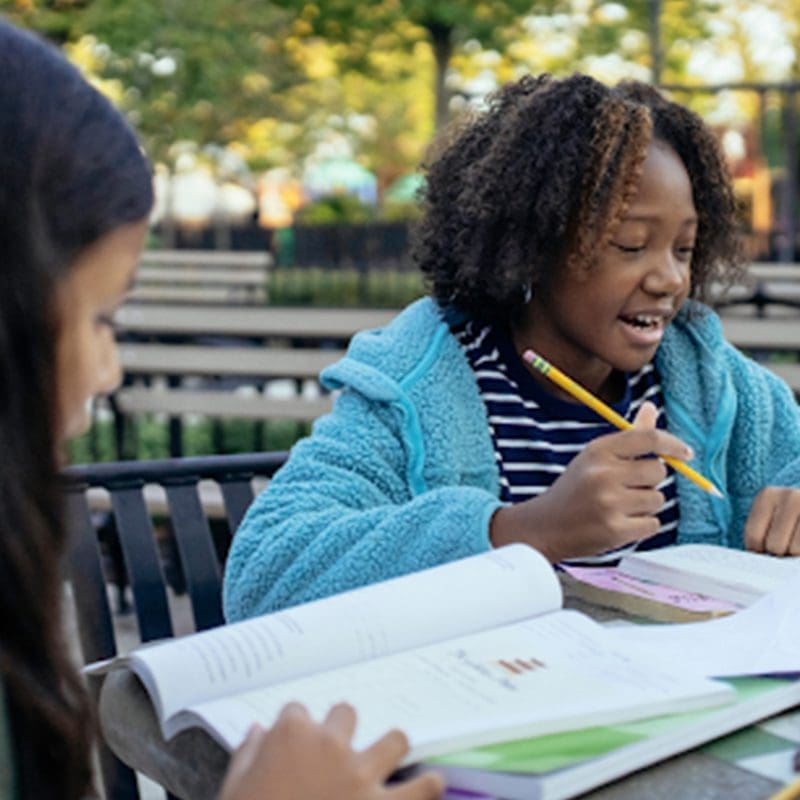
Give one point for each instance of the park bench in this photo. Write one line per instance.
(762, 317)
(170, 368)
(152, 358)
(163, 321)
(255, 345)
(250, 364)
(767, 286)
(199, 277)
(189, 374)
(774, 334)
(773, 340)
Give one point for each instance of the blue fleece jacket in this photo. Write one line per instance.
(401, 475)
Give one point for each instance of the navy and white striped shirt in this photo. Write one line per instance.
(537, 434)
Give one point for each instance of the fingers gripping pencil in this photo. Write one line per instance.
(543, 366)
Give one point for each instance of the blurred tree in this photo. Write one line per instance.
(382, 117)
(280, 80)
(445, 24)
(254, 83)
(188, 70)
(612, 39)
(55, 19)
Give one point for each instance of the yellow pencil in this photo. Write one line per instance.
(789, 792)
(587, 398)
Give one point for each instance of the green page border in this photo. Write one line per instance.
(556, 751)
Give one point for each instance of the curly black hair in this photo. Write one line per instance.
(537, 182)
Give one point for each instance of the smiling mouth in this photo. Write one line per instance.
(643, 322)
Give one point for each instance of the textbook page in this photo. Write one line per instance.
(549, 673)
(735, 575)
(472, 594)
(762, 639)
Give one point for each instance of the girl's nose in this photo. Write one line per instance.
(668, 275)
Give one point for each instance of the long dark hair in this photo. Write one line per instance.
(70, 171)
(532, 184)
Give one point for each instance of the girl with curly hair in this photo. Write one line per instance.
(75, 197)
(586, 223)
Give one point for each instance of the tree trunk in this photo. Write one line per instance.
(441, 41)
(654, 8)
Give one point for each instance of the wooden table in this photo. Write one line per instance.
(191, 765)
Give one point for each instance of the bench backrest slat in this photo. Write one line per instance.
(140, 551)
(198, 556)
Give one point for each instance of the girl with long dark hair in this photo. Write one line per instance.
(75, 196)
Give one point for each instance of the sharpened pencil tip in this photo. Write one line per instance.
(716, 492)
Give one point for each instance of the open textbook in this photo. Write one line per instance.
(465, 654)
(762, 639)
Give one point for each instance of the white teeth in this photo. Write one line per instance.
(645, 320)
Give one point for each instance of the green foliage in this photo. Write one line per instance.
(55, 19)
(460, 20)
(344, 288)
(185, 75)
(224, 74)
(444, 24)
(335, 208)
(150, 439)
(399, 211)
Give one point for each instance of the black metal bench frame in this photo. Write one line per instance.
(199, 558)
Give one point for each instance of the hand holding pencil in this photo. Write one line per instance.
(595, 403)
(607, 496)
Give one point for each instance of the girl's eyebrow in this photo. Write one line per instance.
(693, 220)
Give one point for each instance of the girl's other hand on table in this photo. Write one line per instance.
(298, 759)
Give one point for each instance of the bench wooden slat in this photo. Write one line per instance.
(774, 271)
(201, 277)
(187, 359)
(778, 333)
(193, 275)
(232, 259)
(264, 322)
(196, 294)
(176, 402)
